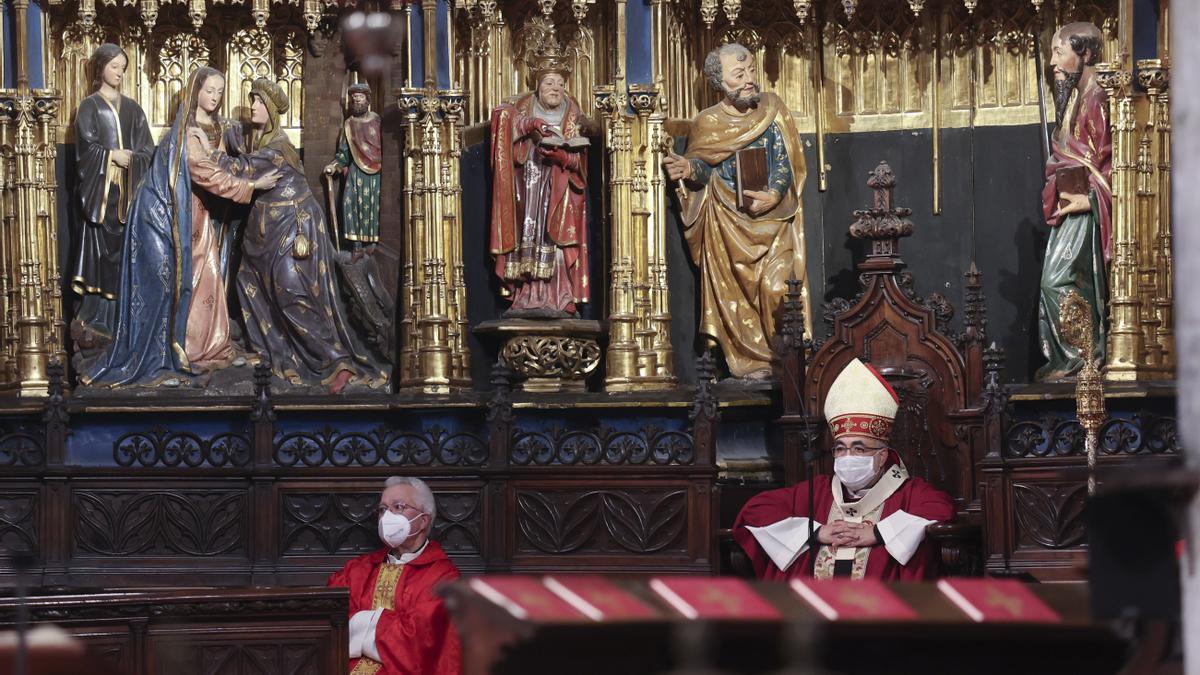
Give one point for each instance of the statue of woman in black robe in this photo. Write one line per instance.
(112, 151)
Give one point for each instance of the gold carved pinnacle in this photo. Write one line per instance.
(150, 13)
(917, 6)
(732, 9)
(579, 9)
(970, 5)
(197, 10)
(803, 8)
(87, 13)
(312, 15)
(708, 12)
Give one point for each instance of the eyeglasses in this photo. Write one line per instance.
(856, 450)
(397, 508)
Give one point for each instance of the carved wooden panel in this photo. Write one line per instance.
(160, 522)
(160, 447)
(649, 445)
(18, 520)
(434, 446)
(287, 658)
(344, 523)
(1050, 514)
(324, 523)
(21, 447)
(459, 524)
(1061, 435)
(565, 522)
(112, 647)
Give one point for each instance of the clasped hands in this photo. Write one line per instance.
(679, 168)
(844, 533)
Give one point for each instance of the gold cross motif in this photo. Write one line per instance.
(713, 596)
(1011, 604)
(863, 601)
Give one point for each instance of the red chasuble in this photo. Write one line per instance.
(1087, 143)
(566, 215)
(414, 635)
(914, 496)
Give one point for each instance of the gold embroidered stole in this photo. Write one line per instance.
(384, 598)
(869, 508)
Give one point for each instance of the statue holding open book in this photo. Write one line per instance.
(539, 209)
(740, 183)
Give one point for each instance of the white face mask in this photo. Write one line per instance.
(395, 529)
(854, 472)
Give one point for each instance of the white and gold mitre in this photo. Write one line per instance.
(861, 402)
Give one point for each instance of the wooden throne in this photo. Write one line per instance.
(939, 375)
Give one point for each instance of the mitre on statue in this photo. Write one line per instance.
(861, 402)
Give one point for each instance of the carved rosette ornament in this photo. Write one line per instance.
(550, 362)
(603, 95)
(548, 355)
(1075, 317)
(643, 98)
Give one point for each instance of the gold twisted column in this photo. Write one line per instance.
(1075, 316)
(32, 333)
(1154, 76)
(1125, 338)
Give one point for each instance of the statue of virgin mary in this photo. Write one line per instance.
(173, 318)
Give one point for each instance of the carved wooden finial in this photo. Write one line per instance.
(884, 223)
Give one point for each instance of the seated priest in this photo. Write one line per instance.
(870, 516)
(397, 625)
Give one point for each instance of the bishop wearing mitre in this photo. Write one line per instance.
(869, 518)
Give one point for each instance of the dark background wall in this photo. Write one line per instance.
(990, 183)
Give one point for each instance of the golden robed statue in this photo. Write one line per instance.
(742, 217)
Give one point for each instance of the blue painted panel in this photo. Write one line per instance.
(33, 51)
(139, 441)
(443, 44)
(416, 47)
(638, 28)
(1145, 30)
(10, 54)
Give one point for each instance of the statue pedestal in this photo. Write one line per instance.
(548, 355)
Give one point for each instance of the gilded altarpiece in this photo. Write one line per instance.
(164, 58)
